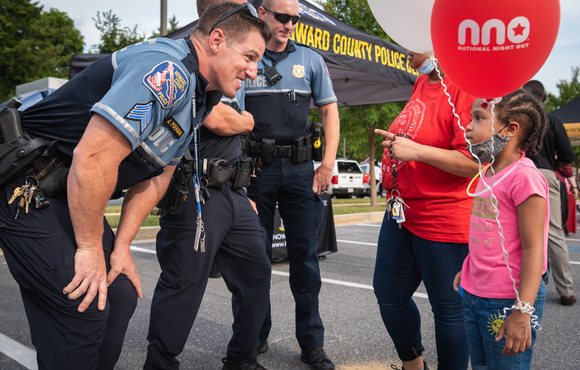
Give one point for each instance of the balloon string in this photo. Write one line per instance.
(494, 200)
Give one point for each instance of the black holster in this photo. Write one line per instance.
(177, 192)
(317, 132)
(17, 149)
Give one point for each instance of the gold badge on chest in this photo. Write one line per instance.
(298, 71)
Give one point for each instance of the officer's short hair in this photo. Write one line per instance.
(536, 88)
(236, 27)
(203, 4)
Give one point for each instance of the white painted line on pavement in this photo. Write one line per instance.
(574, 263)
(18, 352)
(371, 225)
(144, 250)
(344, 283)
(353, 242)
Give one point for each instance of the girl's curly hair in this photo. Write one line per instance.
(522, 107)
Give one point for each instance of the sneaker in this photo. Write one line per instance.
(425, 367)
(262, 347)
(243, 366)
(317, 359)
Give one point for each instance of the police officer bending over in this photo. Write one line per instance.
(233, 236)
(290, 75)
(122, 123)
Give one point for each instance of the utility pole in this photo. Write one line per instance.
(163, 27)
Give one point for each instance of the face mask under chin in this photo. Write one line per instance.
(426, 67)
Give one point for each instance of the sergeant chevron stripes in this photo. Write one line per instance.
(141, 113)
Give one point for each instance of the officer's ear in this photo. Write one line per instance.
(216, 39)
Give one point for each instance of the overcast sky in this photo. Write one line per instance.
(146, 15)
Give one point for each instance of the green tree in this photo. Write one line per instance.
(34, 44)
(357, 126)
(358, 123)
(113, 36)
(173, 26)
(568, 91)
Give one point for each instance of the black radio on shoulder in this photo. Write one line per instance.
(272, 75)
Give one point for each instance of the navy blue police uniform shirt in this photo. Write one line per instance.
(276, 117)
(224, 147)
(145, 90)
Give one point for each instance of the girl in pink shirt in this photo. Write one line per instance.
(510, 221)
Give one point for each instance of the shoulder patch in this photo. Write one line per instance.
(323, 62)
(298, 71)
(167, 82)
(172, 124)
(141, 113)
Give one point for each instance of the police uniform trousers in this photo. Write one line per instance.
(39, 247)
(235, 240)
(301, 210)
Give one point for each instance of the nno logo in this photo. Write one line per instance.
(517, 32)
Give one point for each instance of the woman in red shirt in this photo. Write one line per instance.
(433, 168)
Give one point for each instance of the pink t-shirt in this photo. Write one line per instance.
(485, 273)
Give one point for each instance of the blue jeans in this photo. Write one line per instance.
(403, 260)
(483, 321)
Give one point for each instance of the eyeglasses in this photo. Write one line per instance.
(284, 18)
(234, 11)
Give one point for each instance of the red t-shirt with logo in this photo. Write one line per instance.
(439, 206)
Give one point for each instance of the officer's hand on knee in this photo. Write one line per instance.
(90, 278)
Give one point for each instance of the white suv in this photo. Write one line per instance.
(347, 178)
(378, 178)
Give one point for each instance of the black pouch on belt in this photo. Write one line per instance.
(243, 173)
(267, 151)
(302, 149)
(55, 182)
(218, 173)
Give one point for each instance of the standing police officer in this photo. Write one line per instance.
(124, 122)
(289, 75)
(234, 238)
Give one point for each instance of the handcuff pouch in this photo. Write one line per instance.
(219, 172)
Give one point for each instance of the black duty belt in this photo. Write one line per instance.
(300, 152)
(278, 151)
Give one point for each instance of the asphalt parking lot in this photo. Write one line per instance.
(355, 335)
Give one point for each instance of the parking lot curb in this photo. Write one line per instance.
(149, 232)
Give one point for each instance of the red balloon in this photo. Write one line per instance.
(492, 48)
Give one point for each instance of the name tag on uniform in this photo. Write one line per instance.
(172, 124)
